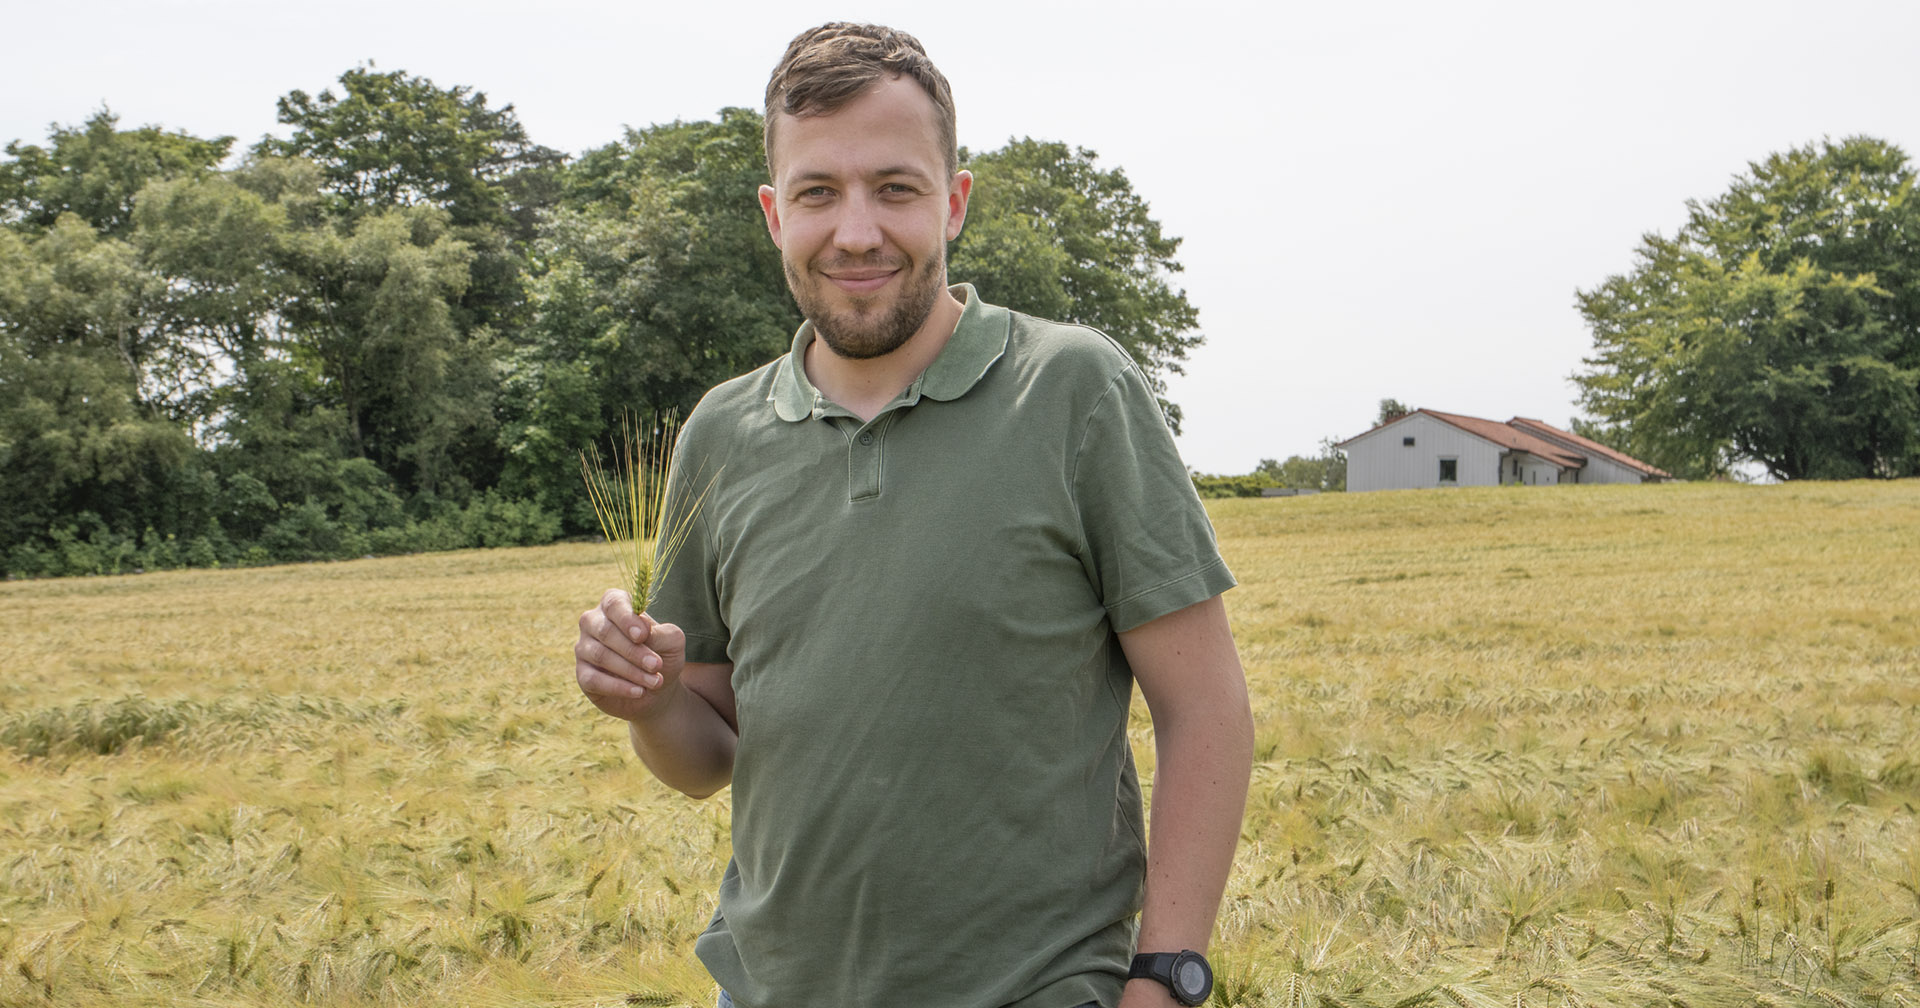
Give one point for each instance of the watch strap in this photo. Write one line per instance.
(1153, 966)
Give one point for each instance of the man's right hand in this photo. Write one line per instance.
(627, 664)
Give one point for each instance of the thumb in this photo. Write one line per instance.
(667, 640)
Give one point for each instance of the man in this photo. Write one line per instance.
(941, 542)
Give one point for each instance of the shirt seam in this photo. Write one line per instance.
(1079, 452)
(1170, 582)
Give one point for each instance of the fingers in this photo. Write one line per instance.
(617, 606)
(623, 658)
(604, 669)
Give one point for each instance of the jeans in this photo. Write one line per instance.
(727, 1002)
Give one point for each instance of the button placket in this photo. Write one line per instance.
(865, 454)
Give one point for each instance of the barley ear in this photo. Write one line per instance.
(629, 498)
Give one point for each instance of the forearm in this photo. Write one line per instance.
(1190, 676)
(1199, 796)
(685, 742)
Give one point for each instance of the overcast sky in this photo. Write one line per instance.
(1377, 199)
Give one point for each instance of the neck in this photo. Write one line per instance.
(865, 386)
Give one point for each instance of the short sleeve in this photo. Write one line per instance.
(1150, 547)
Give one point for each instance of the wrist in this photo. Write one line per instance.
(1144, 993)
(1184, 977)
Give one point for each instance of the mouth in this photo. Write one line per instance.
(860, 281)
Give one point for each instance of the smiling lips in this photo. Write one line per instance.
(861, 280)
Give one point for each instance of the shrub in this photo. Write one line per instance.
(491, 520)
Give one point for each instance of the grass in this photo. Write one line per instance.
(1568, 746)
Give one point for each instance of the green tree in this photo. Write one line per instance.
(1326, 471)
(1780, 325)
(94, 171)
(390, 140)
(1390, 409)
(1051, 233)
(208, 244)
(653, 282)
(76, 435)
(373, 320)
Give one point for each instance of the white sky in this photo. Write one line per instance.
(1377, 199)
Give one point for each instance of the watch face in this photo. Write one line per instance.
(1190, 978)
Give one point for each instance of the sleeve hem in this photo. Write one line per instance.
(1169, 596)
(706, 650)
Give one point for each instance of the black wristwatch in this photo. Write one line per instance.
(1185, 973)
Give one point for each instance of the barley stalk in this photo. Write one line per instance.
(629, 497)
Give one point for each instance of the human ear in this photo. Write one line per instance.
(957, 194)
(770, 210)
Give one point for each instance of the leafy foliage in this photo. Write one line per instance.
(1053, 234)
(1390, 408)
(1781, 324)
(397, 327)
(652, 282)
(94, 171)
(392, 140)
(1326, 471)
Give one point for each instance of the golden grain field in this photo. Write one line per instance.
(1517, 746)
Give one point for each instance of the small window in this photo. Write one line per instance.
(1408, 441)
(1449, 470)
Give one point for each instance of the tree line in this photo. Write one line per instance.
(396, 328)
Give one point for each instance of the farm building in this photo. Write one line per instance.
(1428, 448)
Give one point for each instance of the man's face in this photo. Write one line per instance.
(862, 207)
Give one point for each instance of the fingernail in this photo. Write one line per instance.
(635, 634)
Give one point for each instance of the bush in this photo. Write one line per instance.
(369, 522)
(1231, 486)
(302, 532)
(490, 520)
(99, 551)
(158, 552)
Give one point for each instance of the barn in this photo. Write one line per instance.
(1428, 448)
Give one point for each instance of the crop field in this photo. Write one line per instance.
(1614, 746)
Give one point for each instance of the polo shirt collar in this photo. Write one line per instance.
(979, 339)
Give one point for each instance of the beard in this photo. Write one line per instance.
(867, 328)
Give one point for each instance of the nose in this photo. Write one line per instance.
(857, 230)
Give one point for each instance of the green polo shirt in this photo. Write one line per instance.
(934, 802)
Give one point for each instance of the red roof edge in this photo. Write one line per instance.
(1511, 437)
(1587, 444)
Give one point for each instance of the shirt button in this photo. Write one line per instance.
(866, 438)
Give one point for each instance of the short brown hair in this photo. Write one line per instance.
(826, 67)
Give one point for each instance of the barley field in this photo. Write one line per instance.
(1601, 746)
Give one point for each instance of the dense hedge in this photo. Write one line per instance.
(299, 532)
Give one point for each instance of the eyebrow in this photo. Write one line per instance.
(895, 171)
